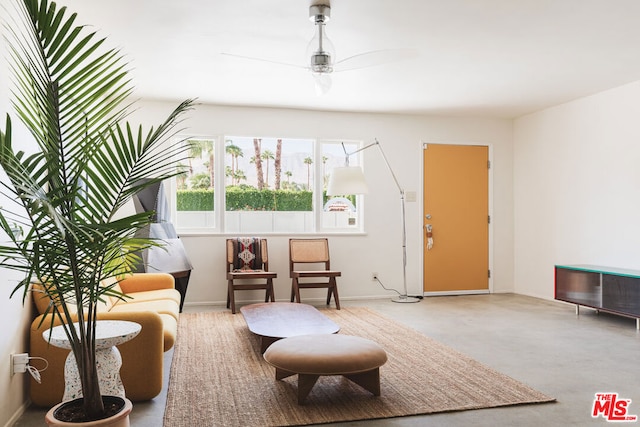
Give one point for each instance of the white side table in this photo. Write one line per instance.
(109, 334)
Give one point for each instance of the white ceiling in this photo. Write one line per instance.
(486, 58)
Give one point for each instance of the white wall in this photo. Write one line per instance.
(357, 256)
(13, 318)
(15, 321)
(576, 187)
(380, 249)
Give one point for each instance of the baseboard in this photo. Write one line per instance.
(309, 300)
(452, 293)
(21, 410)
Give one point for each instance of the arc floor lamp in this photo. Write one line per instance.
(350, 180)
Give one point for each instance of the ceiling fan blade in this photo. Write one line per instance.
(374, 58)
(251, 58)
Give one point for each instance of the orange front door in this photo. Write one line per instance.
(456, 218)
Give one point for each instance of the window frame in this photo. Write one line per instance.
(317, 189)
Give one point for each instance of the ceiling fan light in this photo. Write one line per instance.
(322, 83)
(321, 63)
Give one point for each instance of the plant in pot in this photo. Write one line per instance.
(67, 197)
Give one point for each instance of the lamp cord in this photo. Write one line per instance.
(385, 288)
(35, 372)
(391, 289)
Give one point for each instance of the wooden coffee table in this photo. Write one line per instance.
(276, 320)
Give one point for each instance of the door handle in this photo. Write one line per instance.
(429, 232)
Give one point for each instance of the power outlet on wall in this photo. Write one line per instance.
(19, 363)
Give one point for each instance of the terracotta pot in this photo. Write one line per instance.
(121, 419)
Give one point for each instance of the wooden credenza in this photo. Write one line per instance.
(614, 290)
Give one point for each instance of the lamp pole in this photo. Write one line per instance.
(402, 297)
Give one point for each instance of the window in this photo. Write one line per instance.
(267, 185)
(195, 202)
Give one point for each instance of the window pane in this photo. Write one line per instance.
(194, 187)
(268, 185)
(339, 211)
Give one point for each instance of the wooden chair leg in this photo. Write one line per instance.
(273, 292)
(293, 292)
(335, 292)
(231, 298)
(298, 299)
(269, 291)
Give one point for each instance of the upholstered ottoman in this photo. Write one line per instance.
(311, 356)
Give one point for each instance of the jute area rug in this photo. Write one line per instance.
(219, 378)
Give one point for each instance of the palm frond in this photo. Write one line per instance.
(72, 94)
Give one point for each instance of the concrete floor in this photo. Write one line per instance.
(541, 343)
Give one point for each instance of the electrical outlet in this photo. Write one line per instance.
(374, 277)
(19, 363)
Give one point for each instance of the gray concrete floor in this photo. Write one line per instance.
(541, 343)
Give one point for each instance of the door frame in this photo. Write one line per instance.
(490, 204)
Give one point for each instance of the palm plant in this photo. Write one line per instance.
(71, 94)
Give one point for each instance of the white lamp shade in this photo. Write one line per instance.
(347, 180)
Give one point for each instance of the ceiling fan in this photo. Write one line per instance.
(321, 52)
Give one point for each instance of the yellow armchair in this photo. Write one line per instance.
(154, 305)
